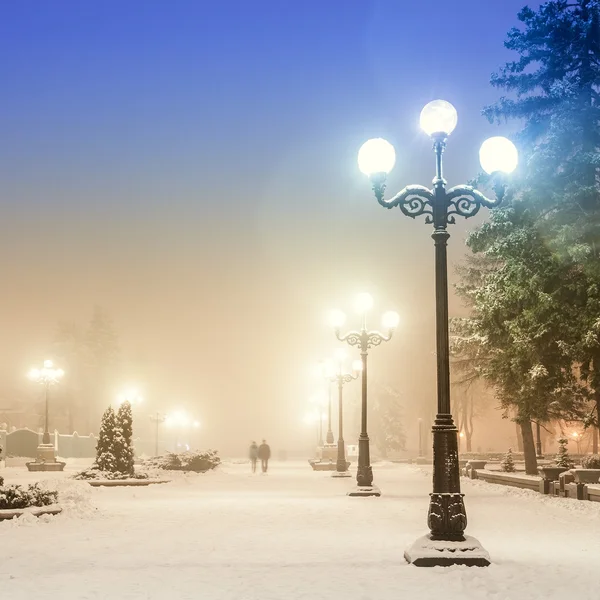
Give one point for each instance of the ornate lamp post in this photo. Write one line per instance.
(46, 458)
(421, 457)
(447, 520)
(364, 339)
(342, 378)
(319, 401)
(179, 421)
(326, 371)
(538, 440)
(130, 395)
(316, 417)
(157, 419)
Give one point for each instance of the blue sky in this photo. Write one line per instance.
(191, 167)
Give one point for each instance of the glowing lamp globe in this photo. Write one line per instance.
(357, 365)
(363, 303)
(438, 117)
(498, 154)
(390, 320)
(337, 319)
(376, 156)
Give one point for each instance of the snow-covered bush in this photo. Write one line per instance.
(17, 496)
(95, 473)
(563, 459)
(591, 462)
(199, 462)
(508, 464)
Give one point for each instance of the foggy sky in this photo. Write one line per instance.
(191, 168)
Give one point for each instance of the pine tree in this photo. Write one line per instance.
(105, 448)
(563, 459)
(123, 439)
(518, 335)
(388, 423)
(508, 464)
(555, 93)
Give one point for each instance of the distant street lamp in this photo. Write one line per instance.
(46, 455)
(130, 395)
(319, 401)
(316, 417)
(180, 421)
(46, 376)
(157, 419)
(421, 457)
(341, 379)
(327, 371)
(364, 339)
(447, 519)
(538, 440)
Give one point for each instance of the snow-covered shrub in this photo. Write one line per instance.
(562, 458)
(508, 464)
(199, 462)
(96, 473)
(17, 496)
(591, 462)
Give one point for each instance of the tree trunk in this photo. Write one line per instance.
(595, 427)
(529, 448)
(519, 438)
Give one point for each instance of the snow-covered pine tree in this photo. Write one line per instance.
(562, 458)
(105, 449)
(508, 464)
(553, 94)
(123, 439)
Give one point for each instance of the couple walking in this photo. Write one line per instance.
(262, 452)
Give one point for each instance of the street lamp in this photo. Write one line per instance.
(447, 519)
(364, 339)
(46, 376)
(46, 457)
(316, 417)
(157, 418)
(327, 372)
(319, 401)
(130, 395)
(342, 378)
(180, 421)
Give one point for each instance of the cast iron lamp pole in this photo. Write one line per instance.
(329, 437)
(157, 418)
(342, 378)
(538, 441)
(364, 339)
(447, 519)
(46, 376)
(326, 370)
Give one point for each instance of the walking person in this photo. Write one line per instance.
(253, 455)
(264, 453)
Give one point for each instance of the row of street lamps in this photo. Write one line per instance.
(49, 375)
(446, 543)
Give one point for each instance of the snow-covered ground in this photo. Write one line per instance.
(292, 534)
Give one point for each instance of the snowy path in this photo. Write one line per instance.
(292, 535)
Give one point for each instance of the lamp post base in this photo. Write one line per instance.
(341, 474)
(426, 552)
(370, 490)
